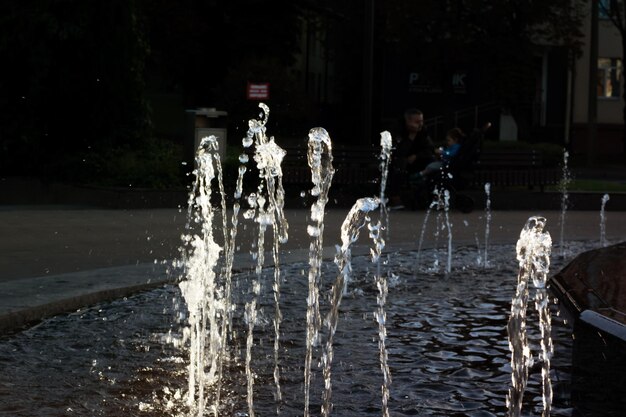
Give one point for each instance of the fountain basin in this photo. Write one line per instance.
(446, 336)
(594, 283)
(593, 290)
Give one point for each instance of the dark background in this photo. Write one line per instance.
(96, 91)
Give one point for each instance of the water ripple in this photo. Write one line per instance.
(447, 345)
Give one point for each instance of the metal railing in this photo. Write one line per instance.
(474, 112)
(436, 124)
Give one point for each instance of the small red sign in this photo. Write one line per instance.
(258, 91)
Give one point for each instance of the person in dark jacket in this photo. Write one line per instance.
(414, 150)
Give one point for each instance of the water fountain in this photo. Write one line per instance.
(320, 161)
(440, 203)
(563, 188)
(204, 308)
(605, 199)
(440, 335)
(487, 223)
(533, 253)
(209, 310)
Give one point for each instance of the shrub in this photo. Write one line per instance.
(155, 164)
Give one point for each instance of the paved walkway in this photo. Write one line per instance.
(55, 259)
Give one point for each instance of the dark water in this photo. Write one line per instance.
(447, 343)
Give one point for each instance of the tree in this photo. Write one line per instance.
(615, 10)
(75, 72)
(196, 44)
(72, 82)
(504, 37)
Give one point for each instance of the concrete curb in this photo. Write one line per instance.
(21, 305)
(20, 319)
(28, 301)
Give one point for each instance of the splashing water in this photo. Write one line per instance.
(320, 160)
(605, 199)
(208, 295)
(479, 258)
(437, 203)
(386, 145)
(382, 279)
(446, 207)
(269, 205)
(563, 187)
(201, 291)
(381, 317)
(533, 254)
(487, 222)
(230, 237)
(322, 172)
(442, 204)
(354, 222)
(421, 239)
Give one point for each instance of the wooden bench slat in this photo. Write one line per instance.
(513, 167)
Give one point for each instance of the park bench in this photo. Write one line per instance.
(357, 169)
(513, 167)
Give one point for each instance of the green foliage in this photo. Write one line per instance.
(156, 164)
(590, 185)
(73, 79)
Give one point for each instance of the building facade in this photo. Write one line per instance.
(609, 91)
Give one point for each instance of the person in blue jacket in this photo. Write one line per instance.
(454, 137)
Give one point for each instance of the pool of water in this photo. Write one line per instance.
(447, 344)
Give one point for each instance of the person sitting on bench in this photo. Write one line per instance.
(454, 137)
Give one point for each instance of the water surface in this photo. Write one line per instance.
(447, 344)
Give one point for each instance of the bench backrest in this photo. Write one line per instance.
(502, 158)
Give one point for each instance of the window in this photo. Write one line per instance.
(604, 8)
(610, 9)
(609, 77)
